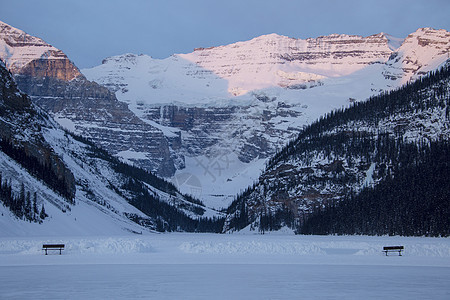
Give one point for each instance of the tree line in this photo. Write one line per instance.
(41, 170)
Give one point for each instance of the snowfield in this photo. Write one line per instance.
(232, 266)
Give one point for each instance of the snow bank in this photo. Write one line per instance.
(312, 245)
(110, 245)
(185, 245)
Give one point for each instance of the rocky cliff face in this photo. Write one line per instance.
(61, 69)
(91, 111)
(86, 108)
(242, 102)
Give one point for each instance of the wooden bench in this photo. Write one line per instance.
(59, 247)
(398, 249)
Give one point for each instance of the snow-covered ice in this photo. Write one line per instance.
(231, 266)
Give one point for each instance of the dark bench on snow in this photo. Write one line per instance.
(398, 249)
(59, 247)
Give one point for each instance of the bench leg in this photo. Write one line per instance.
(45, 251)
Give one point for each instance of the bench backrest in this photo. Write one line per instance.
(393, 248)
(53, 246)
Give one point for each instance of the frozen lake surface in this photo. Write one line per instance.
(208, 266)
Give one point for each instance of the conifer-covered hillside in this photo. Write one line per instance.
(413, 201)
(350, 152)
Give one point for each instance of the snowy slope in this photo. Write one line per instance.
(99, 208)
(85, 217)
(32, 129)
(352, 149)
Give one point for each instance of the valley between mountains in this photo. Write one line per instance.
(274, 133)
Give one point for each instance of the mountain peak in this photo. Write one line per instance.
(273, 36)
(26, 54)
(420, 52)
(428, 30)
(438, 35)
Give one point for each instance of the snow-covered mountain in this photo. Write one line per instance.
(234, 105)
(83, 107)
(84, 189)
(208, 75)
(208, 120)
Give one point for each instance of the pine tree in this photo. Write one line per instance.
(35, 208)
(43, 214)
(27, 208)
